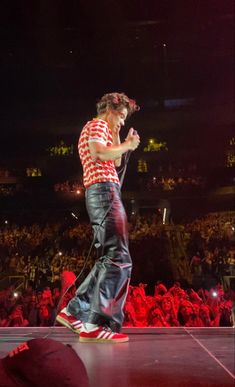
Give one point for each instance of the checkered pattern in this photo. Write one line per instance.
(102, 335)
(96, 171)
(69, 321)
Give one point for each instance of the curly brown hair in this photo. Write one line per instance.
(116, 101)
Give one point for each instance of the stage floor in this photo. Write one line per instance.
(153, 356)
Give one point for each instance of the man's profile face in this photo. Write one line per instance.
(116, 118)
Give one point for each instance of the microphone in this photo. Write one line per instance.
(134, 133)
(128, 153)
(126, 159)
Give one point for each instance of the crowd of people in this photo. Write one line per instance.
(7, 190)
(172, 307)
(69, 186)
(31, 250)
(208, 243)
(42, 252)
(176, 307)
(181, 183)
(200, 250)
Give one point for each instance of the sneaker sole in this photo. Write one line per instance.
(102, 341)
(66, 324)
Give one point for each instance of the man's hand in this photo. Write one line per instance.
(113, 152)
(133, 139)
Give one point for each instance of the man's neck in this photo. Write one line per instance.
(102, 117)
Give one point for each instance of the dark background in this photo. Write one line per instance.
(176, 58)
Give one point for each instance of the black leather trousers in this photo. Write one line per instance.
(101, 297)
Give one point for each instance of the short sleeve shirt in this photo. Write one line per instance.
(96, 171)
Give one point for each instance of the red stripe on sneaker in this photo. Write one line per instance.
(101, 334)
(106, 335)
(76, 323)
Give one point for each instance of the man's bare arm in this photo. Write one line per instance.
(114, 152)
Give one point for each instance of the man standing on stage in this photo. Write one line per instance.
(98, 304)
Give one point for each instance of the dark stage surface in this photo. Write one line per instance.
(152, 357)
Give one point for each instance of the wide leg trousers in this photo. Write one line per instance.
(104, 290)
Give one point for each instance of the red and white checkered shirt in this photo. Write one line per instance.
(96, 171)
